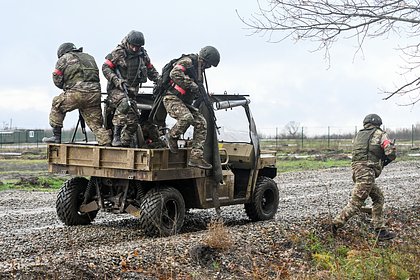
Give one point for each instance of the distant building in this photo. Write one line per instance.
(21, 136)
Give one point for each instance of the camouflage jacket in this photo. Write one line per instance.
(77, 71)
(185, 75)
(134, 68)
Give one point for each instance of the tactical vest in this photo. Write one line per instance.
(136, 70)
(85, 70)
(364, 149)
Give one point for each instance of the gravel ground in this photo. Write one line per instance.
(35, 245)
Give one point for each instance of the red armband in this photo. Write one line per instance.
(179, 66)
(109, 63)
(180, 89)
(150, 66)
(385, 143)
(58, 72)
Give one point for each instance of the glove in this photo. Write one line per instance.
(120, 83)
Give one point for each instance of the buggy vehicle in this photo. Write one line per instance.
(157, 186)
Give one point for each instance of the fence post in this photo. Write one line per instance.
(328, 137)
(302, 137)
(277, 136)
(412, 135)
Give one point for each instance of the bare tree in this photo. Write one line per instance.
(327, 21)
(292, 128)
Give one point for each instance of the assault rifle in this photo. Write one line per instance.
(139, 139)
(204, 97)
(117, 71)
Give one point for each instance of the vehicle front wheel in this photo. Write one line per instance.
(265, 200)
(162, 211)
(69, 200)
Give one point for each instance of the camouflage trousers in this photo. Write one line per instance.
(365, 187)
(124, 115)
(89, 105)
(185, 116)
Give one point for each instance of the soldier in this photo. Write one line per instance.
(126, 68)
(185, 76)
(372, 150)
(78, 75)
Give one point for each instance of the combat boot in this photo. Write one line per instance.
(383, 234)
(56, 138)
(116, 140)
(172, 143)
(200, 163)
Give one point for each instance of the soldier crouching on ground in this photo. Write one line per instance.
(185, 76)
(372, 150)
(78, 75)
(126, 68)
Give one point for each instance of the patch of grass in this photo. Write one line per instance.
(16, 165)
(33, 184)
(362, 260)
(309, 164)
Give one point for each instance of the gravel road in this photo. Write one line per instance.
(34, 244)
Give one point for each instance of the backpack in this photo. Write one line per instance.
(158, 112)
(89, 68)
(165, 81)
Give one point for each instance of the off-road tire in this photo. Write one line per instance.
(265, 200)
(69, 199)
(140, 192)
(162, 211)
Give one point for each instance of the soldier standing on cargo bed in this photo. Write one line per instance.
(372, 150)
(78, 75)
(126, 68)
(183, 90)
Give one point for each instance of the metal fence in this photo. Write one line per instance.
(32, 138)
(298, 137)
(330, 136)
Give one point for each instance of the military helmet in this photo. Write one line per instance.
(372, 119)
(211, 55)
(135, 38)
(65, 48)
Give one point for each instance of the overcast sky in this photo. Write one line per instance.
(286, 81)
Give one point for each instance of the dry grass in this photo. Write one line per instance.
(218, 236)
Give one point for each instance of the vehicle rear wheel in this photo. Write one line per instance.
(162, 211)
(265, 200)
(69, 200)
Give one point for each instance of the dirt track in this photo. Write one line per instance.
(34, 244)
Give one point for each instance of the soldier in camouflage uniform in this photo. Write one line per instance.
(186, 74)
(78, 75)
(372, 150)
(126, 68)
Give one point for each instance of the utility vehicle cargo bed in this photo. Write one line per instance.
(123, 163)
